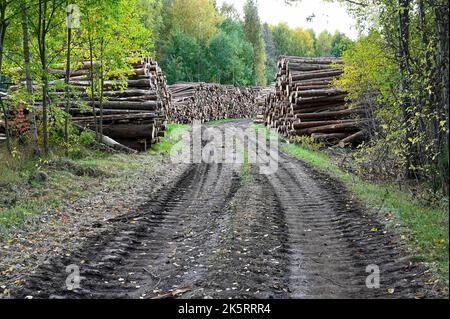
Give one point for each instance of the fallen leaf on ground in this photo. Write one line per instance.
(439, 242)
(175, 293)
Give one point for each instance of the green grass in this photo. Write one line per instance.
(111, 163)
(425, 228)
(173, 136)
(15, 216)
(245, 172)
(64, 184)
(33, 197)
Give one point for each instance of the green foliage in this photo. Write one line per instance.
(230, 58)
(199, 44)
(296, 42)
(116, 32)
(282, 39)
(86, 138)
(254, 33)
(227, 58)
(308, 142)
(303, 42)
(370, 71)
(341, 43)
(271, 55)
(405, 96)
(371, 77)
(196, 18)
(185, 58)
(324, 44)
(173, 136)
(151, 17)
(225, 48)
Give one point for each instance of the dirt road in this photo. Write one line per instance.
(293, 234)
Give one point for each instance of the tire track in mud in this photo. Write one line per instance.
(331, 241)
(251, 261)
(161, 247)
(293, 234)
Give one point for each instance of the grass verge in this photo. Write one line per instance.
(29, 188)
(245, 172)
(37, 186)
(173, 136)
(425, 229)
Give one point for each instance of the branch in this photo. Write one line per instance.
(290, 2)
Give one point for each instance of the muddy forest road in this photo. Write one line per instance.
(293, 234)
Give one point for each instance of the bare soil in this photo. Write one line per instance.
(294, 234)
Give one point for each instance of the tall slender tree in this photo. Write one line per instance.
(8, 10)
(47, 12)
(28, 77)
(254, 32)
(70, 12)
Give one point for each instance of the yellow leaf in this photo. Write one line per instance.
(390, 291)
(439, 242)
(173, 253)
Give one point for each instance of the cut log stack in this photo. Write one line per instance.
(209, 102)
(305, 102)
(135, 116)
(262, 101)
(133, 110)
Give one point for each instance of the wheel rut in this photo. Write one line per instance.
(294, 234)
(332, 242)
(161, 247)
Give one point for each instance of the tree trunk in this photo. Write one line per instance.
(442, 62)
(3, 28)
(29, 81)
(42, 38)
(405, 72)
(102, 81)
(8, 137)
(91, 74)
(66, 121)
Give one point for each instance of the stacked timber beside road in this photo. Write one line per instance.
(209, 102)
(305, 102)
(261, 100)
(129, 113)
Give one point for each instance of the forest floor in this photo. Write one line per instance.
(142, 227)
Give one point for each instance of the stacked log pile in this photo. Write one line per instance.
(305, 102)
(262, 101)
(209, 102)
(132, 113)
